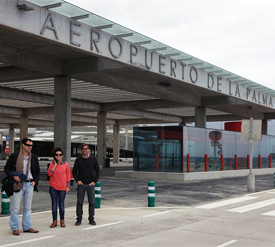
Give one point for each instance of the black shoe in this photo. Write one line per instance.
(92, 222)
(78, 223)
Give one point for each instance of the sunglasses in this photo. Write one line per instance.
(28, 145)
(58, 155)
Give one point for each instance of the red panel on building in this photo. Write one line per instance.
(170, 135)
(233, 126)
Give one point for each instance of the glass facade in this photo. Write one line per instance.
(155, 151)
(184, 149)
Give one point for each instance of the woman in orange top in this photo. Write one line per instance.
(60, 176)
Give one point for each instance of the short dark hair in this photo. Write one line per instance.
(24, 140)
(57, 149)
(83, 145)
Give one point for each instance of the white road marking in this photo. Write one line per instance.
(260, 192)
(6, 217)
(252, 206)
(225, 202)
(41, 212)
(164, 212)
(32, 214)
(270, 213)
(179, 207)
(27, 241)
(227, 243)
(94, 227)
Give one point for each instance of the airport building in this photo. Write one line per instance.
(63, 66)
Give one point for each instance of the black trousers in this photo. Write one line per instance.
(80, 199)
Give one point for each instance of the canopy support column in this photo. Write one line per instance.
(62, 115)
(116, 143)
(200, 116)
(101, 138)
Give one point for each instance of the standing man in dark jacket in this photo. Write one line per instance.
(86, 174)
(27, 163)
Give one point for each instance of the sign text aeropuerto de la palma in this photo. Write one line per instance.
(69, 32)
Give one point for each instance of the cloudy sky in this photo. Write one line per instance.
(236, 35)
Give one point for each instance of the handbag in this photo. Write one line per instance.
(7, 186)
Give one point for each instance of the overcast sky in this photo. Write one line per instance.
(236, 35)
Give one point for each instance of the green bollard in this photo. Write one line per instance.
(151, 194)
(5, 203)
(97, 194)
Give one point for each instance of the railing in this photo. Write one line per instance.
(202, 164)
(222, 164)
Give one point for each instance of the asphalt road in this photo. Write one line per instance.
(181, 216)
(126, 192)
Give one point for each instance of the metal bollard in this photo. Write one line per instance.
(97, 194)
(5, 203)
(151, 194)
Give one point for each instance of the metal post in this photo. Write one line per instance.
(188, 163)
(206, 162)
(222, 163)
(251, 176)
(251, 145)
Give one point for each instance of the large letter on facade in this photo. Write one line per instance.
(115, 45)
(208, 81)
(146, 63)
(173, 66)
(161, 64)
(52, 27)
(133, 52)
(247, 92)
(72, 32)
(94, 40)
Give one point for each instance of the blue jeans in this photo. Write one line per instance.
(60, 195)
(27, 193)
(80, 199)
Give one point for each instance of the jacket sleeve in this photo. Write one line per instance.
(50, 167)
(35, 168)
(75, 168)
(10, 165)
(68, 173)
(97, 170)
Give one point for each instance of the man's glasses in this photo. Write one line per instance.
(58, 155)
(85, 148)
(28, 145)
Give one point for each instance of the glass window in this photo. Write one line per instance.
(272, 150)
(264, 151)
(214, 149)
(242, 151)
(197, 149)
(166, 148)
(157, 149)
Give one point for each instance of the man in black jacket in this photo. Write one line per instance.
(27, 163)
(86, 174)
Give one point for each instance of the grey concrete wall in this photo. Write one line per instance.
(190, 176)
